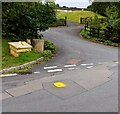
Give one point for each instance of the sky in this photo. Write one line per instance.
(73, 3)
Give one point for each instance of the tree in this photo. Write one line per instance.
(95, 23)
(113, 23)
(100, 7)
(23, 19)
(113, 16)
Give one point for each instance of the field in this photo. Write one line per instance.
(76, 15)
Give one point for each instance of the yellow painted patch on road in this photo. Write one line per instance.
(59, 84)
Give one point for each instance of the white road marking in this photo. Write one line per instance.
(89, 67)
(116, 62)
(84, 64)
(90, 64)
(55, 70)
(72, 68)
(36, 72)
(66, 66)
(50, 67)
(3, 75)
(87, 64)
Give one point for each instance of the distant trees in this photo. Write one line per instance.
(23, 19)
(112, 12)
(113, 23)
(100, 7)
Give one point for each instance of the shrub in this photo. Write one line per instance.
(47, 54)
(50, 46)
(108, 42)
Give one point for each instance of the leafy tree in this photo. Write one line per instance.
(113, 16)
(23, 19)
(95, 23)
(113, 23)
(100, 7)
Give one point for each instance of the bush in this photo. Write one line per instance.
(85, 34)
(108, 42)
(47, 54)
(50, 46)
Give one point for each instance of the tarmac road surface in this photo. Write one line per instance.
(91, 83)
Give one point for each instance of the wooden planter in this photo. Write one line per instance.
(38, 44)
(18, 47)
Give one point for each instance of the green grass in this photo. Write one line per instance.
(76, 15)
(9, 61)
(23, 70)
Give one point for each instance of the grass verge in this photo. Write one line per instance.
(76, 15)
(20, 71)
(10, 61)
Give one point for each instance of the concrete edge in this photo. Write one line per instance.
(22, 66)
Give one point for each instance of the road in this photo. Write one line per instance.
(102, 96)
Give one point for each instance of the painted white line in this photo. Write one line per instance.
(116, 62)
(55, 70)
(84, 64)
(72, 68)
(89, 67)
(4, 75)
(90, 64)
(87, 64)
(66, 66)
(36, 72)
(50, 67)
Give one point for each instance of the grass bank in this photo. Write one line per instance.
(10, 61)
(76, 15)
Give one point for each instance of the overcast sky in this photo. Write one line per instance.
(73, 3)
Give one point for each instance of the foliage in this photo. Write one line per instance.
(100, 7)
(47, 54)
(50, 46)
(21, 71)
(113, 19)
(95, 22)
(98, 40)
(113, 23)
(23, 19)
(9, 61)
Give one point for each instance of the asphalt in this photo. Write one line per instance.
(72, 48)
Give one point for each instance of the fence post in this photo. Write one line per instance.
(90, 31)
(87, 24)
(85, 28)
(85, 20)
(65, 21)
(98, 32)
(81, 20)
